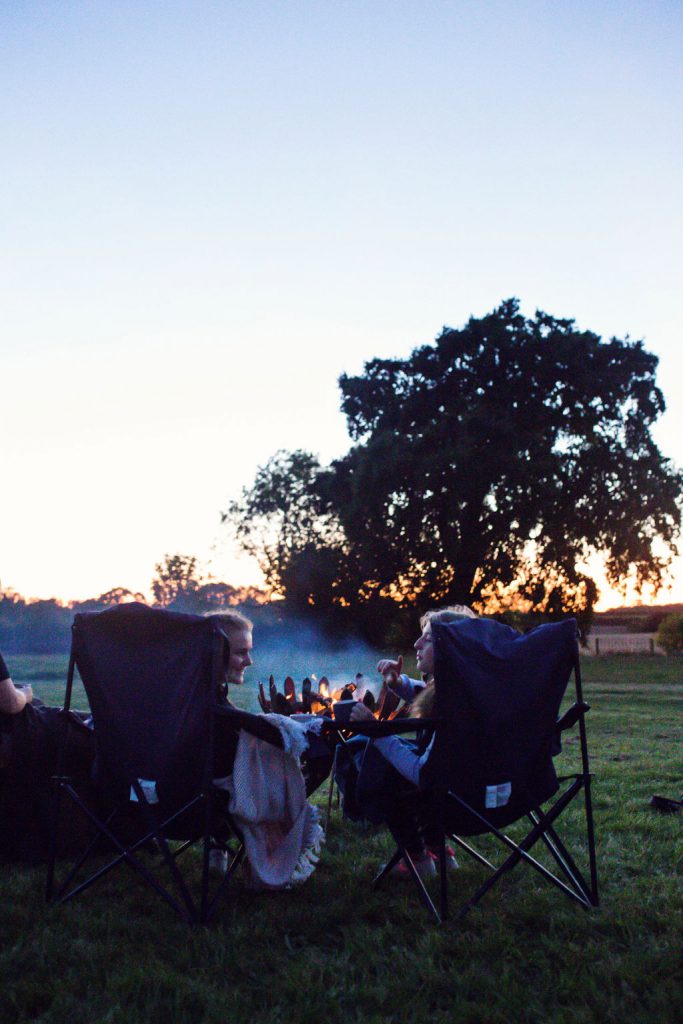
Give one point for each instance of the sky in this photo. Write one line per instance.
(210, 210)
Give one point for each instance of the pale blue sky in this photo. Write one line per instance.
(211, 210)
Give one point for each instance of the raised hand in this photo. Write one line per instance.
(390, 670)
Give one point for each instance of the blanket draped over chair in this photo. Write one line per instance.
(281, 830)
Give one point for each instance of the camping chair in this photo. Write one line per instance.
(497, 701)
(153, 679)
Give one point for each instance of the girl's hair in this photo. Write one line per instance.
(423, 705)
(452, 613)
(232, 621)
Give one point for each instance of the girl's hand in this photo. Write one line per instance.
(361, 714)
(390, 670)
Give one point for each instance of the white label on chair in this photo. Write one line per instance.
(498, 796)
(149, 789)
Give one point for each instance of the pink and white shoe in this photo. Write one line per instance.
(451, 860)
(425, 867)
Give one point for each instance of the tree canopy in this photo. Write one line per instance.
(286, 521)
(490, 463)
(179, 586)
(175, 579)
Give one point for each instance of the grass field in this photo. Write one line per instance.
(337, 951)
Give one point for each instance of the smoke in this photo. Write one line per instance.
(290, 645)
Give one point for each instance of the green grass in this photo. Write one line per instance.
(47, 675)
(638, 669)
(337, 951)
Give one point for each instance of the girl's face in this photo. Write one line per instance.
(425, 652)
(240, 655)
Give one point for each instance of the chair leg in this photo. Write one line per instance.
(561, 854)
(125, 854)
(225, 881)
(329, 802)
(402, 854)
(54, 825)
(443, 879)
(150, 816)
(593, 861)
(471, 851)
(388, 867)
(521, 851)
(422, 891)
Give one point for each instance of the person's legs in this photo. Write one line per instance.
(403, 821)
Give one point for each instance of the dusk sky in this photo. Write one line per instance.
(209, 211)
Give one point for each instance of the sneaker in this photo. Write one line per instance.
(425, 867)
(218, 860)
(451, 860)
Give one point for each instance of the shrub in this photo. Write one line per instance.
(670, 634)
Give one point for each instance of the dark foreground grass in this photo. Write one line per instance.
(337, 951)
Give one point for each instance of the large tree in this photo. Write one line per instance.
(496, 461)
(289, 525)
(176, 581)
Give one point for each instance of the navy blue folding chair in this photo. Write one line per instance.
(153, 680)
(498, 695)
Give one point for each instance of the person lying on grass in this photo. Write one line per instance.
(385, 771)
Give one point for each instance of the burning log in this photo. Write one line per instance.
(306, 694)
(387, 703)
(282, 705)
(290, 691)
(369, 701)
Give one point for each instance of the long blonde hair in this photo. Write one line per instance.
(423, 705)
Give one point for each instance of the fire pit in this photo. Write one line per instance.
(319, 700)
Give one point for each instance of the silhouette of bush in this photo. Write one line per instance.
(670, 634)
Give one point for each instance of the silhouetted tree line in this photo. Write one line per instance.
(44, 627)
(484, 469)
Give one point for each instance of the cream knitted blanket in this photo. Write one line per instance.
(281, 831)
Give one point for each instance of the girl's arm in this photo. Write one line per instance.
(12, 700)
(404, 760)
(397, 681)
(406, 688)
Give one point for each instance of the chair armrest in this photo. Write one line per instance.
(256, 725)
(571, 716)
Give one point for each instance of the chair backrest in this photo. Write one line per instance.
(498, 695)
(151, 677)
